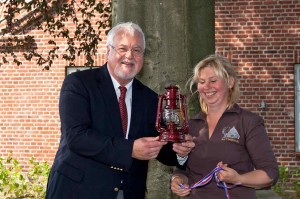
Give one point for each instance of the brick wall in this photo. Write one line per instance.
(260, 37)
(29, 118)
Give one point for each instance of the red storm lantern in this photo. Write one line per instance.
(171, 118)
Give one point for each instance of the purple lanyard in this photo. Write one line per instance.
(208, 178)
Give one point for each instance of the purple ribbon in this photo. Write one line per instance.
(208, 178)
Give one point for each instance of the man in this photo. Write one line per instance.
(100, 156)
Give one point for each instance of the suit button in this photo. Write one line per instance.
(116, 189)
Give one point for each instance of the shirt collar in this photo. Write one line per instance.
(116, 84)
(234, 109)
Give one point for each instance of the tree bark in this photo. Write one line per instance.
(178, 35)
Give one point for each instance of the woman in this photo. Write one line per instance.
(226, 136)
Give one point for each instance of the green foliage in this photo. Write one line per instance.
(15, 183)
(284, 183)
(86, 21)
(296, 183)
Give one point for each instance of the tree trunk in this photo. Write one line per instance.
(178, 35)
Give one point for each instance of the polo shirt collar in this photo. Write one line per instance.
(234, 109)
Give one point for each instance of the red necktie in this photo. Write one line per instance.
(123, 109)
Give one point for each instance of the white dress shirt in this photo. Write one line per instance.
(128, 99)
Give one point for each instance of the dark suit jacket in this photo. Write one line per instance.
(93, 157)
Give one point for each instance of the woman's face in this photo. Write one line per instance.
(213, 89)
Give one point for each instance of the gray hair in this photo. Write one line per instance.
(128, 27)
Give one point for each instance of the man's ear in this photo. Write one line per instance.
(108, 49)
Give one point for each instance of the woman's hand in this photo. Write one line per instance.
(255, 179)
(175, 182)
(228, 174)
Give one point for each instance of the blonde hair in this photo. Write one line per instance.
(223, 69)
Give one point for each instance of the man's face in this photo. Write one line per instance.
(125, 56)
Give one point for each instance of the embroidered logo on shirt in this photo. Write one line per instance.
(230, 134)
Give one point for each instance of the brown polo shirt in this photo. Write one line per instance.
(239, 140)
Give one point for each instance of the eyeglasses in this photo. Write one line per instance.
(122, 50)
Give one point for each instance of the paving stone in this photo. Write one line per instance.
(267, 194)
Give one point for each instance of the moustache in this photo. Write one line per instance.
(127, 62)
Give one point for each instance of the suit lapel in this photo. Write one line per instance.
(137, 111)
(109, 96)
(110, 99)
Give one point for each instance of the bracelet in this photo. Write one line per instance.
(173, 177)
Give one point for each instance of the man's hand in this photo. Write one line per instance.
(147, 148)
(184, 148)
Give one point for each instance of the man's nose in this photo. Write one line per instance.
(129, 53)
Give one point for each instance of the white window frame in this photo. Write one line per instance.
(72, 69)
(297, 106)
